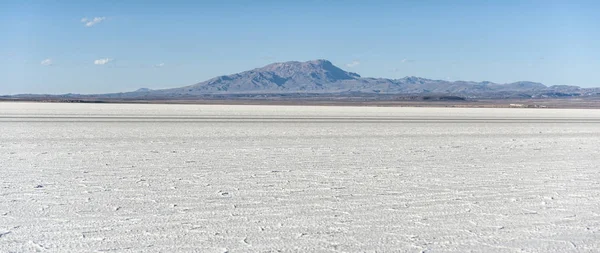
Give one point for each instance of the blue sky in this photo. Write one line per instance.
(112, 46)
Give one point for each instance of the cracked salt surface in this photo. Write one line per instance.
(205, 178)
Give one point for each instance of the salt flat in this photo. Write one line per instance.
(214, 178)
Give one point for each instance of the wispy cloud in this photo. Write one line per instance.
(400, 67)
(102, 61)
(89, 22)
(160, 65)
(46, 62)
(353, 64)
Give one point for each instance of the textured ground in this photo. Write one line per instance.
(131, 178)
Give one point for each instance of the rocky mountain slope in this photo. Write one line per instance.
(321, 76)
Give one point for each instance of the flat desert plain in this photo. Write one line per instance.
(219, 178)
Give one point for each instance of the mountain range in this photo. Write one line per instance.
(322, 77)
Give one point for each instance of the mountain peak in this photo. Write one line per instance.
(299, 66)
(317, 69)
(143, 90)
(321, 62)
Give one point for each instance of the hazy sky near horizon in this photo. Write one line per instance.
(112, 46)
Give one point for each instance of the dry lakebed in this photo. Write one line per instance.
(250, 178)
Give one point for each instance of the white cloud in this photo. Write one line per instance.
(159, 65)
(93, 21)
(353, 64)
(46, 62)
(102, 61)
(404, 60)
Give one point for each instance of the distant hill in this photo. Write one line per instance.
(322, 77)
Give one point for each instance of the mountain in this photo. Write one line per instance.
(322, 78)
(312, 76)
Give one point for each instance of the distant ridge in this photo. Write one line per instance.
(322, 77)
(315, 77)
